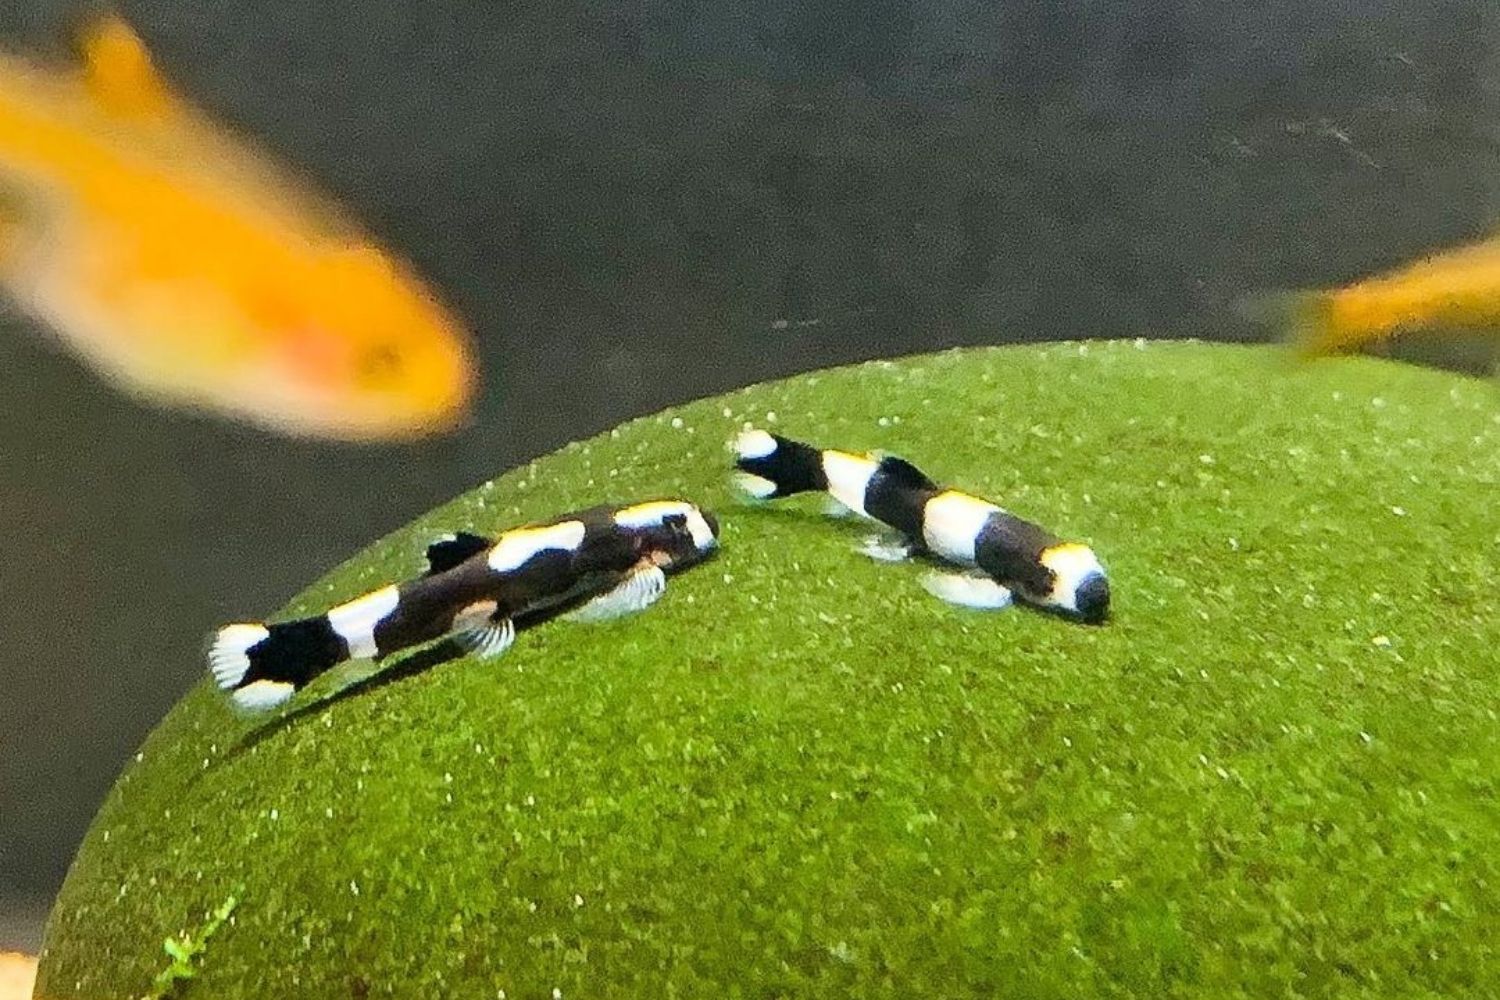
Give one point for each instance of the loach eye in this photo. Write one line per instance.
(675, 521)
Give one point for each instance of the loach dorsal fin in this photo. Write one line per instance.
(118, 71)
(448, 552)
(899, 470)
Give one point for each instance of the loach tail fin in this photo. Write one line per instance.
(773, 466)
(451, 550)
(229, 660)
(228, 652)
(260, 666)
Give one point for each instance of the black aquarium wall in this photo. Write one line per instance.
(638, 203)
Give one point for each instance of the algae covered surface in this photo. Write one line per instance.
(1272, 773)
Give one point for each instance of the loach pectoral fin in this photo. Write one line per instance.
(967, 590)
(883, 548)
(451, 550)
(489, 642)
(834, 507)
(118, 71)
(639, 590)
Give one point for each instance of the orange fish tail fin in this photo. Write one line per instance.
(118, 70)
(1303, 320)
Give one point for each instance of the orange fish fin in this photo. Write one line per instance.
(20, 220)
(1303, 320)
(118, 70)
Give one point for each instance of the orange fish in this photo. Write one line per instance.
(1456, 290)
(17, 976)
(194, 272)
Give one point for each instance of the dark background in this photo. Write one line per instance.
(639, 203)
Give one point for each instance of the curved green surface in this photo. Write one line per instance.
(799, 775)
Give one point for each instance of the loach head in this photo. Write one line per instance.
(362, 350)
(1079, 586)
(677, 532)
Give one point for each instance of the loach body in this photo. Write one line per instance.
(1010, 553)
(594, 564)
(192, 271)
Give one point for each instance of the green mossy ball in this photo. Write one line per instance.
(1273, 774)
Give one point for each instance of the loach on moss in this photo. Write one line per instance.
(1273, 773)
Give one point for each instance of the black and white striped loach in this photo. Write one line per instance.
(1002, 552)
(592, 565)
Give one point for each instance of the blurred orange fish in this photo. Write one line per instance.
(17, 976)
(1456, 290)
(192, 271)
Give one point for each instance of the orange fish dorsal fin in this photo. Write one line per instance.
(118, 71)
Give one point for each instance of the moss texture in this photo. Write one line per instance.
(1274, 773)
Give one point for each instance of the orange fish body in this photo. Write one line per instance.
(17, 976)
(194, 272)
(1455, 290)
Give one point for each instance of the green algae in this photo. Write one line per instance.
(799, 775)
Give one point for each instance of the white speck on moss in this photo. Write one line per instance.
(353, 887)
(677, 423)
(1381, 642)
(1206, 459)
(1378, 402)
(727, 412)
(1399, 511)
(577, 900)
(556, 993)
